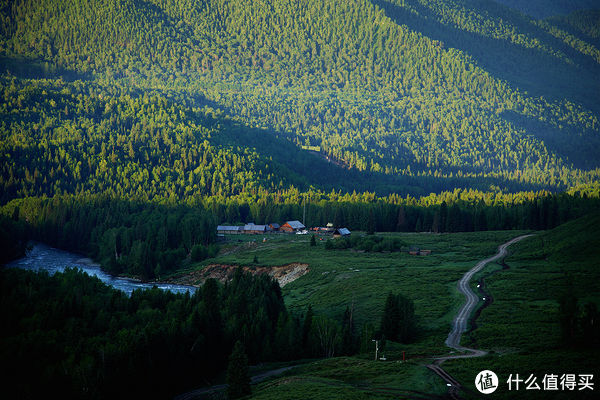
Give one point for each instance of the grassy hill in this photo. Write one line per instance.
(525, 325)
(440, 94)
(573, 241)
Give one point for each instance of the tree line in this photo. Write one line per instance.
(150, 240)
(127, 237)
(70, 335)
(456, 211)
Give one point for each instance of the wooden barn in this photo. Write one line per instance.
(341, 232)
(292, 226)
(223, 229)
(252, 229)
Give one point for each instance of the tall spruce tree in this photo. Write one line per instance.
(398, 320)
(237, 373)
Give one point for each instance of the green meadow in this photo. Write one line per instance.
(521, 329)
(353, 378)
(361, 280)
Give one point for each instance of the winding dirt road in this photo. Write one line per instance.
(459, 326)
(461, 320)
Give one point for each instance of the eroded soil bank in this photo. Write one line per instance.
(284, 274)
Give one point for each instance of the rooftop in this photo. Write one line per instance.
(296, 224)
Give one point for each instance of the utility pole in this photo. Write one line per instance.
(304, 213)
(376, 347)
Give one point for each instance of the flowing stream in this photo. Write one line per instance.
(44, 257)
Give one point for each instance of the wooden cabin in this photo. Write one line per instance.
(226, 229)
(341, 232)
(292, 226)
(252, 229)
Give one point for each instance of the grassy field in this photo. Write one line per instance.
(340, 278)
(353, 378)
(520, 328)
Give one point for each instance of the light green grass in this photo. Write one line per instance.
(341, 278)
(522, 327)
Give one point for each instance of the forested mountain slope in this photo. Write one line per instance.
(549, 8)
(404, 93)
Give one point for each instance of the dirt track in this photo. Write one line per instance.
(459, 325)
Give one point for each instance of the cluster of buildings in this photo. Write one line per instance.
(296, 227)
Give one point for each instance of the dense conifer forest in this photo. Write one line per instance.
(86, 340)
(408, 88)
(179, 114)
(130, 129)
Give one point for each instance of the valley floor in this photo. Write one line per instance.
(520, 329)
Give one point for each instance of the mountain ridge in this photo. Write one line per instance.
(376, 95)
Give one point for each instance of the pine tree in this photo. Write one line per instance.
(391, 318)
(237, 373)
(348, 338)
(443, 216)
(398, 320)
(401, 223)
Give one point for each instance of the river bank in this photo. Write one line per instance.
(40, 257)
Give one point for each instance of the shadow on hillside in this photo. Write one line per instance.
(528, 69)
(566, 143)
(547, 8)
(34, 69)
(310, 169)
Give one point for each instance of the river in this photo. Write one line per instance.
(43, 257)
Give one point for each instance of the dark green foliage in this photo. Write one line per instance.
(313, 241)
(466, 210)
(140, 239)
(367, 243)
(201, 252)
(350, 339)
(398, 321)
(327, 334)
(568, 317)
(237, 373)
(589, 323)
(307, 327)
(69, 335)
(13, 237)
(578, 323)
